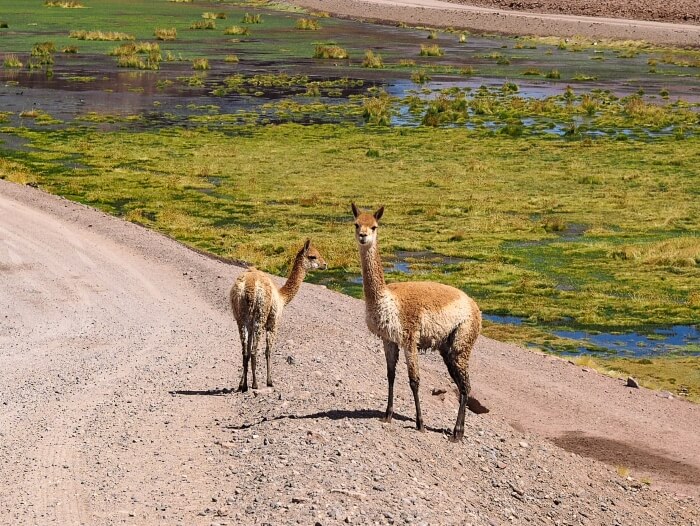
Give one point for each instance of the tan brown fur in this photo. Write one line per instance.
(257, 306)
(416, 315)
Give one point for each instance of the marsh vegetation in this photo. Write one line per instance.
(561, 197)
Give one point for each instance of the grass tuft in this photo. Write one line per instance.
(108, 36)
(432, 50)
(203, 24)
(251, 19)
(307, 24)
(420, 77)
(372, 60)
(237, 30)
(166, 33)
(200, 64)
(12, 61)
(63, 3)
(330, 51)
(214, 16)
(377, 110)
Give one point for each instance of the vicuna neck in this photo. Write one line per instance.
(294, 280)
(372, 273)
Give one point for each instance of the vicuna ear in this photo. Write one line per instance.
(355, 211)
(307, 245)
(379, 213)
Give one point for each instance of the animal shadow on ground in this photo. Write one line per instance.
(208, 392)
(365, 414)
(336, 414)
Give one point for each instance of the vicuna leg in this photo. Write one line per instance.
(270, 337)
(414, 379)
(391, 351)
(243, 333)
(456, 353)
(252, 353)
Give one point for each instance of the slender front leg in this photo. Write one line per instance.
(414, 379)
(243, 384)
(391, 352)
(270, 337)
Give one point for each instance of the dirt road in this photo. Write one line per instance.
(116, 346)
(438, 13)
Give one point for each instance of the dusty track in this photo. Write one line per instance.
(115, 347)
(439, 13)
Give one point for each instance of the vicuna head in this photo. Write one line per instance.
(366, 225)
(312, 258)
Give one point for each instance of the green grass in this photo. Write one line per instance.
(502, 195)
(679, 375)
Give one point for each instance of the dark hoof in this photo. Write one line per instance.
(420, 427)
(454, 438)
(254, 386)
(242, 388)
(269, 384)
(386, 419)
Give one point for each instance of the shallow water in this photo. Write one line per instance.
(275, 47)
(652, 341)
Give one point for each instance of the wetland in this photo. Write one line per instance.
(557, 181)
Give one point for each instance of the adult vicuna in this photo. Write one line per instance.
(257, 306)
(416, 315)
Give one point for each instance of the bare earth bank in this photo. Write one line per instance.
(116, 346)
(486, 17)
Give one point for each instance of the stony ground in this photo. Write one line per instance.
(117, 354)
(685, 11)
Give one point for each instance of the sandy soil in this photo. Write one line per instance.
(559, 22)
(117, 349)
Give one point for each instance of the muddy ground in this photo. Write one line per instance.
(118, 352)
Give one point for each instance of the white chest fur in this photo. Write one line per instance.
(383, 318)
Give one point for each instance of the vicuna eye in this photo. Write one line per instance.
(374, 228)
(312, 257)
(357, 225)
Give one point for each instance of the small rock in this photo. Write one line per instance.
(524, 444)
(291, 360)
(631, 382)
(438, 391)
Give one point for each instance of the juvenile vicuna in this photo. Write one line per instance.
(257, 306)
(416, 315)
